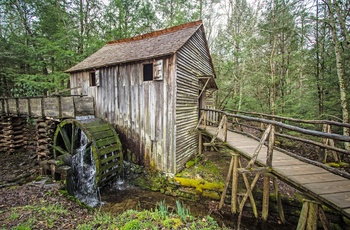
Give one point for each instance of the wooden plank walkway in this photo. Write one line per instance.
(322, 185)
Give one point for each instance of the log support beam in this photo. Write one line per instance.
(309, 215)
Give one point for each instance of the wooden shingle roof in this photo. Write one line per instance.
(142, 47)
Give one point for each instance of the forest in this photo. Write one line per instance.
(283, 57)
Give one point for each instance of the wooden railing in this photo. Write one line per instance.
(276, 130)
(55, 107)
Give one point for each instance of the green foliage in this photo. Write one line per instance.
(42, 38)
(182, 211)
(132, 219)
(162, 208)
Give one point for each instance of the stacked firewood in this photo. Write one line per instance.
(45, 129)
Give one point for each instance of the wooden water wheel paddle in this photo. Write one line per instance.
(103, 140)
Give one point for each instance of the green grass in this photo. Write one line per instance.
(43, 215)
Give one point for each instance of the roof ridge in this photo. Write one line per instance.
(157, 33)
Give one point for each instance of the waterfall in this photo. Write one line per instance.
(84, 172)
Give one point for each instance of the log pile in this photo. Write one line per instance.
(45, 129)
(3, 131)
(19, 125)
(11, 135)
(30, 139)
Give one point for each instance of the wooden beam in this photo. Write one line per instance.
(266, 197)
(234, 185)
(227, 182)
(206, 83)
(258, 148)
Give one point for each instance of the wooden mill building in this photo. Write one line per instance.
(150, 88)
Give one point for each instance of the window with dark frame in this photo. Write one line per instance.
(148, 72)
(92, 79)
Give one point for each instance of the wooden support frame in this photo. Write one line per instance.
(200, 119)
(258, 148)
(266, 196)
(200, 143)
(236, 169)
(222, 125)
(310, 212)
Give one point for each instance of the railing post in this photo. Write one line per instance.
(270, 147)
(327, 129)
(266, 192)
(200, 143)
(225, 127)
(234, 184)
(205, 119)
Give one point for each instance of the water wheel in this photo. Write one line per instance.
(102, 141)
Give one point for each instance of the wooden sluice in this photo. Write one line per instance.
(53, 107)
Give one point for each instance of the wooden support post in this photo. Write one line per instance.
(205, 119)
(228, 177)
(225, 129)
(200, 143)
(309, 214)
(323, 218)
(270, 147)
(279, 201)
(312, 216)
(266, 197)
(303, 216)
(234, 185)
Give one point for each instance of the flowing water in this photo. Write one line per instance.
(84, 173)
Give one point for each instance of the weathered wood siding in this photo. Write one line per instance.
(193, 61)
(80, 79)
(154, 119)
(141, 111)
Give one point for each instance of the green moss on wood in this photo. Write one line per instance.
(199, 184)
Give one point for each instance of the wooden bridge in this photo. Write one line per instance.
(321, 183)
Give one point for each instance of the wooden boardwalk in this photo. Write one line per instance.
(320, 184)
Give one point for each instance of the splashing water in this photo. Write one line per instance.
(84, 173)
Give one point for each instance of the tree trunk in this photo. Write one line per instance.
(340, 72)
(272, 74)
(342, 23)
